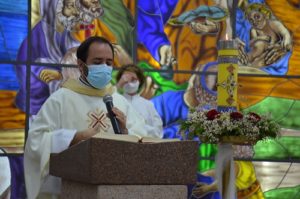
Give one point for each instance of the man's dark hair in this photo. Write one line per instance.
(134, 69)
(83, 49)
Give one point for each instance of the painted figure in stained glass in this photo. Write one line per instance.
(201, 89)
(276, 57)
(202, 20)
(269, 38)
(152, 17)
(63, 25)
(59, 28)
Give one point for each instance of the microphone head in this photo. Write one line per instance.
(107, 98)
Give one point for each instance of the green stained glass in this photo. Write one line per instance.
(281, 148)
(164, 85)
(285, 111)
(281, 193)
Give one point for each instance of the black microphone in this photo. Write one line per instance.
(108, 100)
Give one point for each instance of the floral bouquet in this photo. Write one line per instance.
(212, 126)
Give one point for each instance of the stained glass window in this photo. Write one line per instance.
(175, 43)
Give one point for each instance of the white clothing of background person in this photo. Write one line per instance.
(130, 79)
(5, 176)
(147, 110)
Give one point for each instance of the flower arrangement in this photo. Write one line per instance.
(212, 126)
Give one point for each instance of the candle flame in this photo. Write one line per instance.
(226, 37)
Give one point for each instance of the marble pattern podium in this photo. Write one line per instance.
(102, 168)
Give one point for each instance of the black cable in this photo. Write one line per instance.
(286, 172)
(291, 163)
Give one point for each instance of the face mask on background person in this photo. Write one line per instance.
(99, 75)
(131, 87)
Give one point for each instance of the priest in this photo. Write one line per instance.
(75, 113)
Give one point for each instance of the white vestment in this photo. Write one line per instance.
(63, 114)
(4, 174)
(147, 110)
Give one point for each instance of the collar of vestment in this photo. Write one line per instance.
(78, 87)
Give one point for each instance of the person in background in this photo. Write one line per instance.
(74, 113)
(130, 79)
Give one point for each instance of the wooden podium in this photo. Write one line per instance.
(103, 168)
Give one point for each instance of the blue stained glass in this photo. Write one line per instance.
(14, 6)
(13, 27)
(8, 80)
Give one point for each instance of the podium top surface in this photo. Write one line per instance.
(113, 162)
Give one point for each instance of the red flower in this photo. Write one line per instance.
(254, 117)
(236, 115)
(212, 114)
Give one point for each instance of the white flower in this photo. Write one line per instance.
(221, 125)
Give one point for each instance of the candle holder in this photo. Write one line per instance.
(227, 44)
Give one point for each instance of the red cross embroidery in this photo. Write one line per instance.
(97, 120)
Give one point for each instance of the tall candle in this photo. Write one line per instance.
(227, 75)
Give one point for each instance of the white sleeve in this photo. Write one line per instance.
(61, 139)
(154, 126)
(135, 124)
(43, 134)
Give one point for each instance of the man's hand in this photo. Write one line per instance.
(83, 135)
(287, 44)
(273, 53)
(166, 56)
(149, 89)
(121, 117)
(48, 75)
(167, 60)
(207, 27)
(243, 57)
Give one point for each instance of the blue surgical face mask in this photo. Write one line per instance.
(99, 75)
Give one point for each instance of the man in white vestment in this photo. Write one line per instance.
(73, 114)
